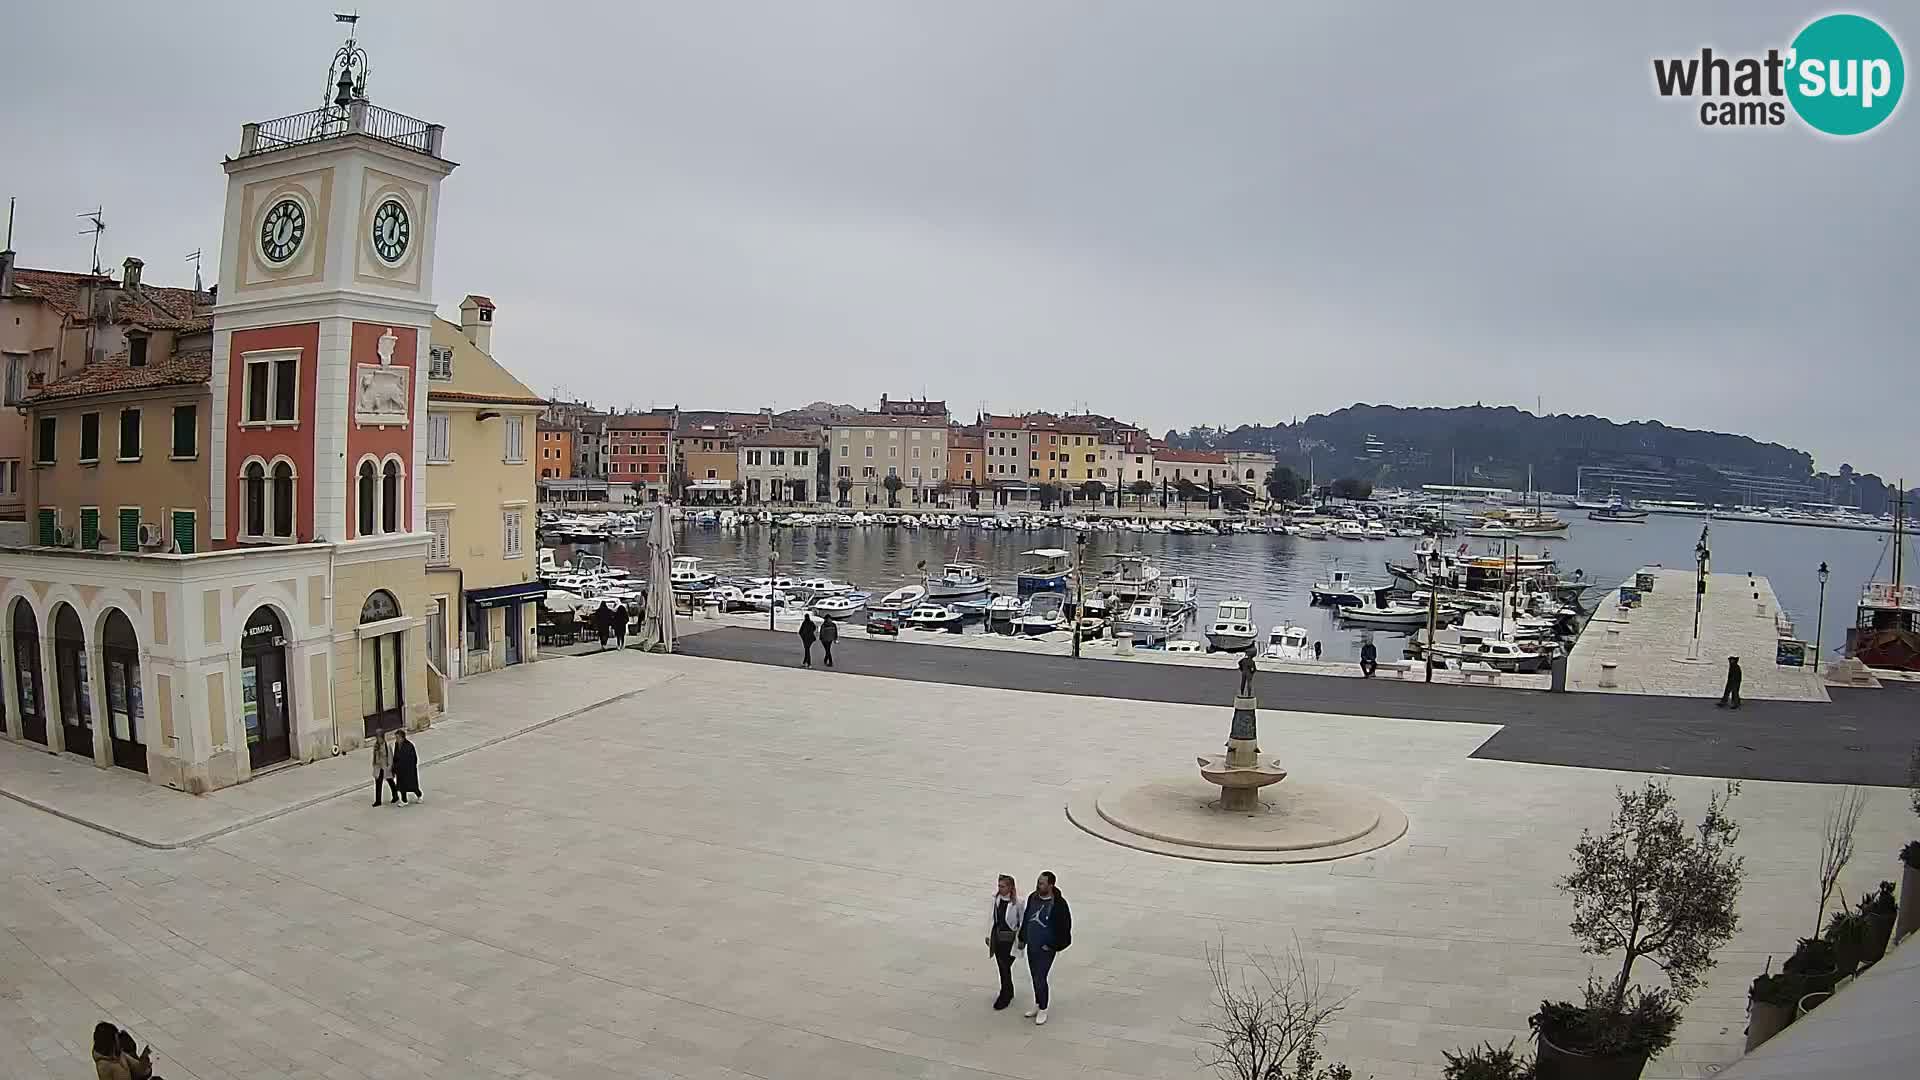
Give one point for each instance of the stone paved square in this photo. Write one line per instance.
(749, 871)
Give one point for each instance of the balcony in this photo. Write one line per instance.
(359, 118)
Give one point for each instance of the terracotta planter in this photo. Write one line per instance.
(1554, 1063)
(1909, 920)
(1811, 1001)
(1765, 1020)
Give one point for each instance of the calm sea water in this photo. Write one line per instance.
(1277, 572)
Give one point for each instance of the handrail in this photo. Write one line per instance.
(359, 118)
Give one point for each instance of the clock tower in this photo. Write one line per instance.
(322, 323)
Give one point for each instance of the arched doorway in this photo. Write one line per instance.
(26, 673)
(264, 701)
(126, 707)
(382, 659)
(70, 672)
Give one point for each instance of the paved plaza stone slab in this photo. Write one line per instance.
(602, 896)
(1297, 821)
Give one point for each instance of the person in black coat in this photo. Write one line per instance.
(603, 622)
(1046, 930)
(829, 634)
(807, 631)
(405, 777)
(1730, 697)
(1369, 659)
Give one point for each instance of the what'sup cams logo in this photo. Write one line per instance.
(1842, 75)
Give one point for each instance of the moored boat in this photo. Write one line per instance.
(934, 617)
(1049, 571)
(1233, 628)
(903, 599)
(1289, 643)
(956, 581)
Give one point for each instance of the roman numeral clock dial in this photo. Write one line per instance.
(282, 230)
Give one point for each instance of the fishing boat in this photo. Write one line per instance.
(1492, 530)
(685, 575)
(1886, 629)
(1458, 646)
(1618, 511)
(1339, 590)
(956, 581)
(1233, 629)
(811, 589)
(884, 622)
(1048, 572)
(1384, 613)
(934, 617)
(1148, 621)
(1129, 577)
(905, 598)
(1005, 609)
(1182, 595)
(1088, 628)
(1289, 643)
(840, 605)
(1043, 616)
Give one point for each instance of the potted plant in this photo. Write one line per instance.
(1847, 933)
(1909, 919)
(1487, 1063)
(1813, 1001)
(1650, 886)
(1880, 911)
(1816, 962)
(1771, 1001)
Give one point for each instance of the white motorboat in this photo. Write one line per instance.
(1375, 613)
(1233, 629)
(904, 598)
(1289, 643)
(781, 582)
(1377, 530)
(685, 575)
(840, 605)
(1182, 594)
(1492, 530)
(956, 581)
(1043, 616)
(726, 597)
(1148, 621)
(1349, 530)
(1311, 531)
(1338, 590)
(1130, 577)
(818, 588)
(760, 598)
(1456, 645)
(934, 617)
(1005, 609)
(1048, 572)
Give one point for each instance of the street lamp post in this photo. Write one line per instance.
(1079, 588)
(773, 537)
(1700, 556)
(1820, 619)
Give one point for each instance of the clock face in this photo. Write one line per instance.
(392, 230)
(282, 230)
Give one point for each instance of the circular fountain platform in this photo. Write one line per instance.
(1298, 821)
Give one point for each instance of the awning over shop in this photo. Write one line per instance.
(519, 593)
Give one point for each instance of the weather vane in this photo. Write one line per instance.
(347, 74)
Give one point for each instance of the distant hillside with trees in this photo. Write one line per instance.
(1476, 445)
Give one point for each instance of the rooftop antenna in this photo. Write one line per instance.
(99, 224)
(194, 258)
(9, 245)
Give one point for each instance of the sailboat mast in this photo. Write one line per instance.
(1899, 521)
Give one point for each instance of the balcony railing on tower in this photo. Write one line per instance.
(358, 118)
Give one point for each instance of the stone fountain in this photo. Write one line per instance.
(1240, 773)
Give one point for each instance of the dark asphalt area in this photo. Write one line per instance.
(1862, 737)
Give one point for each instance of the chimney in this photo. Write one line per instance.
(476, 321)
(6, 273)
(130, 273)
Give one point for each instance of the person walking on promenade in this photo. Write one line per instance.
(620, 625)
(1046, 929)
(603, 622)
(382, 765)
(1003, 934)
(807, 630)
(1730, 697)
(1369, 659)
(1316, 652)
(406, 767)
(829, 633)
(113, 1056)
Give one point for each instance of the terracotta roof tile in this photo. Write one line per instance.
(640, 422)
(150, 306)
(114, 376)
(781, 437)
(892, 420)
(461, 396)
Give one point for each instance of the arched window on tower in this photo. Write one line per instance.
(253, 483)
(390, 498)
(369, 491)
(283, 500)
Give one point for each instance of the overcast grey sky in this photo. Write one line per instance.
(1179, 212)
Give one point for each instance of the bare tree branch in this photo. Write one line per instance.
(1836, 844)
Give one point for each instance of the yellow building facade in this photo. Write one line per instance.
(482, 574)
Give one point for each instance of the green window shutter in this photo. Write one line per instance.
(183, 530)
(130, 529)
(49, 520)
(89, 529)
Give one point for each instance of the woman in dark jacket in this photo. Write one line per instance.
(1046, 929)
(406, 767)
(1003, 933)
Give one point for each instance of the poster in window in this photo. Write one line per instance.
(133, 696)
(83, 687)
(29, 700)
(116, 687)
(250, 703)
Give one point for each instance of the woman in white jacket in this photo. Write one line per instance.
(1004, 916)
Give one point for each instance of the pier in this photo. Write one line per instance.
(1649, 649)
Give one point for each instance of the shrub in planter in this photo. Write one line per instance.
(1652, 886)
(1909, 919)
(1815, 962)
(1771, 1001)
(1485, 1062)
(1879, 910)
(1847, 933)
